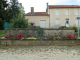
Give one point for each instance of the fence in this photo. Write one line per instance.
(6, 25)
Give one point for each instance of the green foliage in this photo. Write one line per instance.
(0, 43)
(8, 10)
(14, 8)
(19, 22)
(1, 32)
(68, 45)
(62, 27)
(3, 13)
(73, 27)
(1, 24)
(40, 31)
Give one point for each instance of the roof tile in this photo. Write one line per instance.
(63, 6)
(37, 13)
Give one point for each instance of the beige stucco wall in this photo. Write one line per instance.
(53, 17)
(36, 20)
(62, 16)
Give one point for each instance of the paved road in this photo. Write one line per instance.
(41, 53)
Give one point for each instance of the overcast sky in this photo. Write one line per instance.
(40, 5)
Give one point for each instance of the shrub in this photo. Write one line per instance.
(73, 27)
(19, 22)
(62, 27)
(40, 32)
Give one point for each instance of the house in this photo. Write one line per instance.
(55, 16)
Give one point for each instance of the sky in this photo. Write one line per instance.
(40, 5)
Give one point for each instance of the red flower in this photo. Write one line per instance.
(58, 36)
(64, 37)
(75, 37)
(10, 36)
(19, 36)
(70, 36)
(51, 37)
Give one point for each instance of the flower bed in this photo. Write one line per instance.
(59, 37)
(56, 37)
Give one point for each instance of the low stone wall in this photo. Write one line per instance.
(40, 42)
(53, 32)
(25, 32)
(35, 32)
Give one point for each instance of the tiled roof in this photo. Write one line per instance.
(37, 14)
(64, 6)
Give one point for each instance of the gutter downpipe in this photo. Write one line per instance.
(49, 17)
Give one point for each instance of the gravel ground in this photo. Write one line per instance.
(41, 53)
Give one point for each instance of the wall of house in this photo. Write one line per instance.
(36, 19)
(62, 16)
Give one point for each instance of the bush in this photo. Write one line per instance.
(62, 26)
(73, 27)
(19, 22)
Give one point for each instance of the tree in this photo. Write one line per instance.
(21, 8)
(3, 12)
(3, 6)
(14, 8)
(19, 22)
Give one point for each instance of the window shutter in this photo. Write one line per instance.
(67, 12)
(76, 11)
(57, 11)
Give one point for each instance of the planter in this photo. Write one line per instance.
(31, 42)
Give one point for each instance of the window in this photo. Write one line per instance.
(57, 21)
(57, 12)
(66, 11)
(76, 21)
(76, 11)
(43, 23)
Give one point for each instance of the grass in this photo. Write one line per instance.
(77, 30)
(2, 34)
(4, 47)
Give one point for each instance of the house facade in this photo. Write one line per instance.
(55, 16)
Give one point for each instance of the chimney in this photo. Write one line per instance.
(32, 10)
(47, 5)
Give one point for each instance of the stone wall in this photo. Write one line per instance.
(76, 33)
(39, 42)
(35, 32)
(25, 32)
(53, 32)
